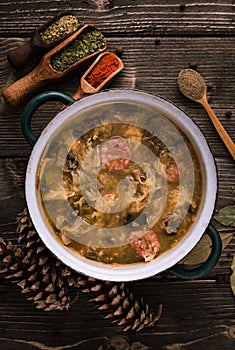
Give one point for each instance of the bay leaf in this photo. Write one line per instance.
(232, 277)
(226, 238)
(202, 250)
(226, 216)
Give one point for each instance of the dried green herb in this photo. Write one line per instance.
(86, 44)
(202, 250)
(62, 26)
(232, 277)
(226, 216)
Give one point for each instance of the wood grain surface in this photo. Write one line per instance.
(159, 38)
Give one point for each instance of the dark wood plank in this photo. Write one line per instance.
(166, 60)
(192, 319)
(197, 315)
(123, 17)
(12, 202)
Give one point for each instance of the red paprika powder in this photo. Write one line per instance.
(108, 64)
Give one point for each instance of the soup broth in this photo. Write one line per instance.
(120, 193)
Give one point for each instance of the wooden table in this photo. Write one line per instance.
(159, 38)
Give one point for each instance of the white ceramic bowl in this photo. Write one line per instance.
(134, 271)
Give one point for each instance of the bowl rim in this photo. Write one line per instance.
(164, 261)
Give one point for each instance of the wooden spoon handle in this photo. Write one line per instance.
(219, 127)
(78, 94)
(22, 87)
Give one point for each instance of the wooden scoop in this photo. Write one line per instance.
(44, 72)
(193, 86)
(85, 87)
(18, 57)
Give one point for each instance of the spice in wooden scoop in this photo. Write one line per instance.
(193, 86)
(58, 29)
(107, 64)
(103, 69)
(44, 38)
(56, 64)
(86, 44)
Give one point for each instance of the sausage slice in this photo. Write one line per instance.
(172, 173)
(115, 153)
(145, 244)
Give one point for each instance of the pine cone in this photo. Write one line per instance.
(38, 272)
(11, 261)
(120, 304)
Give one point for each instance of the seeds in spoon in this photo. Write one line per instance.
(191, 84)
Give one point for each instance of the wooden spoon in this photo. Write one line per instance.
(44, 72)
(85, 87)
(193, 86)
(18, 57)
